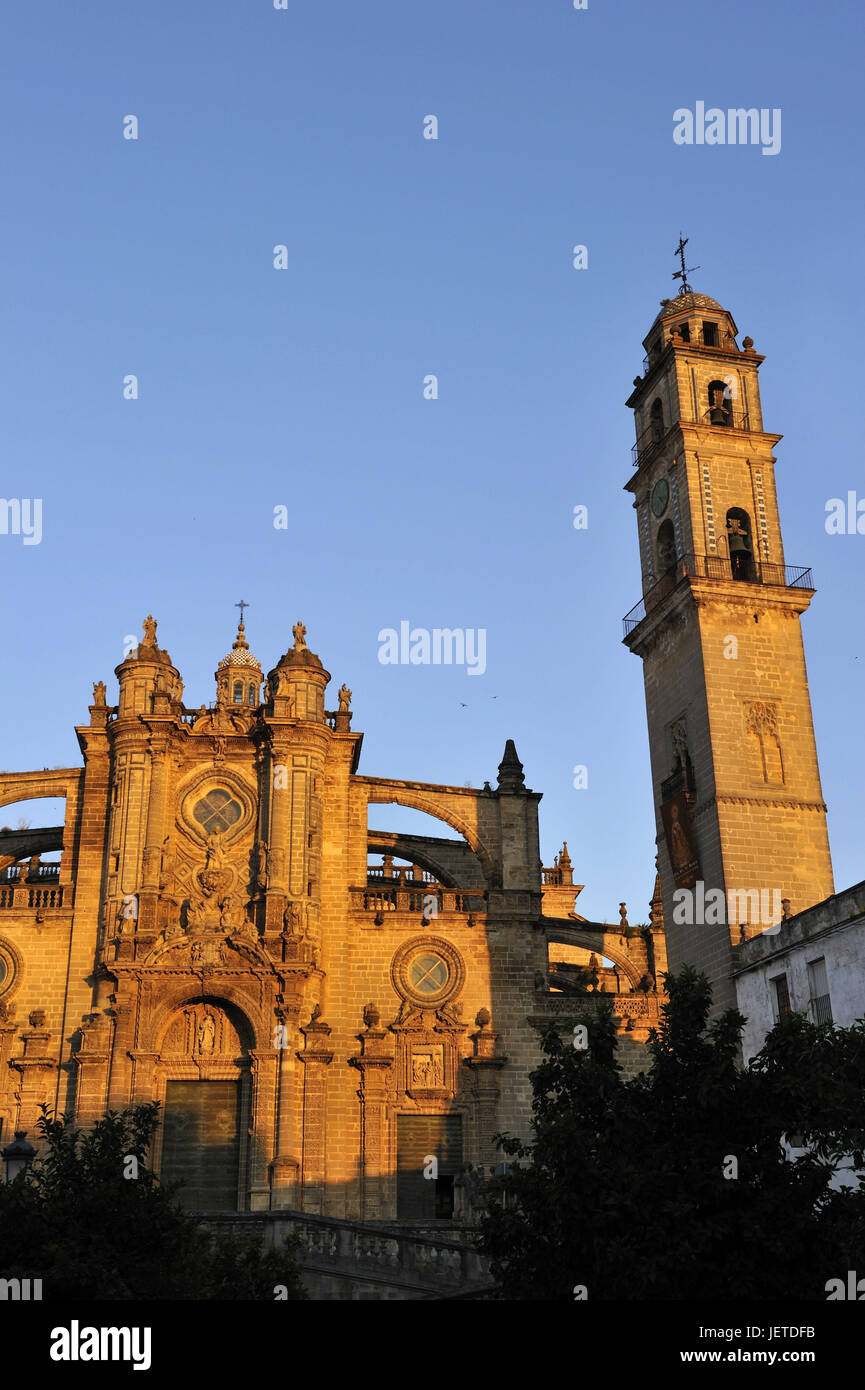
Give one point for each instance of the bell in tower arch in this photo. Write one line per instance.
(739, 543)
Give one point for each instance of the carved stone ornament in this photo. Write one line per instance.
(762, 718)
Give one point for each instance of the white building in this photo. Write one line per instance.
(812, 963)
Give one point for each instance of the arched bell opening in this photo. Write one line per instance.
(739, 544)
(665, 546)
(720, 405)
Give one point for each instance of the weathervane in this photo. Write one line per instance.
(243, 604)
(684, 272)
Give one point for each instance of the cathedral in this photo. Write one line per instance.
(317, 1006)
(337, 1020)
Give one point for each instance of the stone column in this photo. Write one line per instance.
(316, 1058)
(286, 1166)
(36, 1070)
(91, 1062)
(375, 1065)
(485, 1067)
(278, 801)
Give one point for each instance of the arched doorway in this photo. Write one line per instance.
(203, 1082)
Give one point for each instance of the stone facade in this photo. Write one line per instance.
(216, 918)
(737, 790)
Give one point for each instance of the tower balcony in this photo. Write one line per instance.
(652, 440)
(716, 567)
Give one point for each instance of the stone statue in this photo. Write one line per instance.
(344, 699)
(292, 918)
(166, 865)
(316, 1013)
(149, 626)
(232, 917)
(99, 693)
(680, 850)
(215, 856)
(371, 1015)
(206, 1034)
(261, 865)
(299, 632)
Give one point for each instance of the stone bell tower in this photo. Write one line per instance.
(741, 822)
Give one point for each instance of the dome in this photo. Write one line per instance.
(299, 655)
(303, 657)
(688, 303)
(240, 655)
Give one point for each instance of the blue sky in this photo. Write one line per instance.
(304, 387)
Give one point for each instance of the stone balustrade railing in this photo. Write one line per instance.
(423, 900)
(30, 895)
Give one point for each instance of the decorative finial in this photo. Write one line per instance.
(510, 770)
(299, 637)
(243, 604)
(686, 270)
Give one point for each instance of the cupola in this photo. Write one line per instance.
(238, 675)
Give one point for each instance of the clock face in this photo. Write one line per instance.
(660, 496)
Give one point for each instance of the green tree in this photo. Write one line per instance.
(92, 1221)
(676, 1184)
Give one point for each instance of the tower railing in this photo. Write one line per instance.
(652, 439)
(716, 567)
(726, 418)
(648, 444)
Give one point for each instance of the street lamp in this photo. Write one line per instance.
(17, 1156)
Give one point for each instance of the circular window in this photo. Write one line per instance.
(9, 964)
(217, 810)
(427, 971)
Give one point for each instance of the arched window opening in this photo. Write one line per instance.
(666, 547)
(720, 405)
(252, 695)
(656, 419)
(739, 543)
(238, 692)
